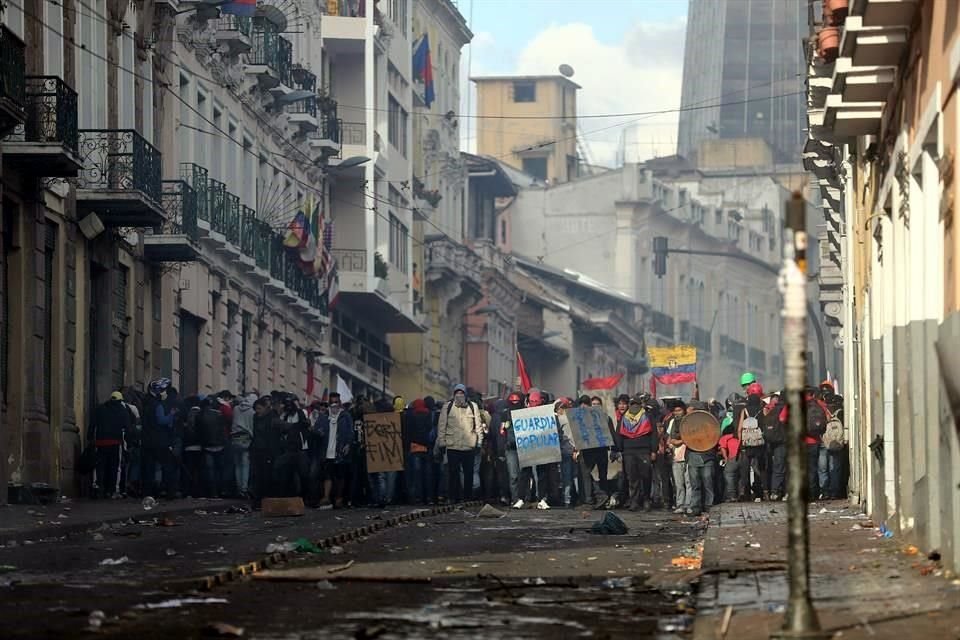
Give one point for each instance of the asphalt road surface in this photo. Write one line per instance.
(524, 574)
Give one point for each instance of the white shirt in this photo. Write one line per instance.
(332, 437)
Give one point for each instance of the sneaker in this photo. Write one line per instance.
(757, 500)
(542, 505)
(784, 498)
(612, 503)
(679, 510)
(518, 504)
(774, 497)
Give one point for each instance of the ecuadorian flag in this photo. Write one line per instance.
(673, 365)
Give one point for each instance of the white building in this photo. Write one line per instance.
(603, 226)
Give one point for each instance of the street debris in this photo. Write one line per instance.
(149, 503)
(325, 585)
(610, 524)
(110, 562)
(166, 522)
(95, 619)
(490, 512)
(911, 550)
(452, 569)
(305, 546)
(179, 602)
(7, 568)
(171, 552)
(685, 563)
(618, 583)
(97, 537)
(339, 568)
(222, 630)
(934, 556)
(335, 550)
(199, 512)
(280, 547)
(238, 508)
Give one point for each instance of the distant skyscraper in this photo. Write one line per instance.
(740, 58)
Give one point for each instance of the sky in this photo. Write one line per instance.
(626, 54)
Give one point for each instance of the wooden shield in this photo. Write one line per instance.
(700, 431)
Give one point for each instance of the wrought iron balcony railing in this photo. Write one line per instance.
(353, 133)
(179, 202)
(197, 177)
(303, 78)
(265, 50)
(307, 106)
(241, 24)
(231, 219)
(285, 58)
(119, 160)
(50, 113)
(218, 205)
(12, 66)
(350, 259)
(248, 231)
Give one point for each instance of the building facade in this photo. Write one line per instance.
(447, 272)
(530, 123)
(741, 75)
(883, 114)
(728, 307)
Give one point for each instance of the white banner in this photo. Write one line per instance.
(538, 441)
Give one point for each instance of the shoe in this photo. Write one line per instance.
(757, 500)
(774, 497)
(784, 498)
(612, 503)
(518, 504)
(542, 505)
(679, 510)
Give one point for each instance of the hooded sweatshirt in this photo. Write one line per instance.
(419, 433)
(241, 431)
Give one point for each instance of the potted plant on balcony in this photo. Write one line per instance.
(835, 12)
(828, 43)
(380, 267)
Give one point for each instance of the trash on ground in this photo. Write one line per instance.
(149, 503)
(335, 550)
(618, 583)
(325, 585)
(238, 508)
(911, 550)
(339, 568)
(421, 524)
(305, 546)
(452, 569)
(686, 563)
(97, 537)
(222, 630)
(199, 512)
(490, 512)
(179, 602)
(96, 618)
(610, 524)
(7, 568)
(171, 552)
(166, 522)
(109, 562)
(934, 555)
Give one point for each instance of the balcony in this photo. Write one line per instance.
(662, 324)
(368, 295)
(862, 84)
(45, 144)
(884, 13)
(872, 46)
(701, 339)
(269, 59)
(325, 139)
(851, 119)
(732, 349)
(758, 359)
(12, 80)
(303, 112)
(120, 179)
(344, 26)
(178, 238)
(455, 264)
(235, 33)
(353, 139)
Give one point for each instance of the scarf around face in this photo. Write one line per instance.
(635, 425)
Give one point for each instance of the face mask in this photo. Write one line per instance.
(460, 400)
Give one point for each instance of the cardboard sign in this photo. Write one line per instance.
(384, 442)
(538, 441)
(588, 428)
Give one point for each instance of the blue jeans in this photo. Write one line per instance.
(813, 470)
(420, 483)
(241, 467)
(383, 487)
(700, 466)
(513, 475)
(828, 472)
(568, 469)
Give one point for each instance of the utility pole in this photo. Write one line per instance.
(800, 620)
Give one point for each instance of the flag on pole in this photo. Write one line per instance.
(423, 69)
(298, 231)
(525, 384)
(345, 394)
(598, 384)
(673, 365)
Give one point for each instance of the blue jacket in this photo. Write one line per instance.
(320, 436)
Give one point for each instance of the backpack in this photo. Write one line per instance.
(751, 435)
(816, 420)
(835, 437)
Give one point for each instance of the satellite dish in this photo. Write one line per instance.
(566, 70)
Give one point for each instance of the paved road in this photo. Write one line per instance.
(528, 574)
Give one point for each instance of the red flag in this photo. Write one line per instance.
(594, 384)
(310, 380)
(525, 384)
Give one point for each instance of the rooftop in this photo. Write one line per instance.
(552, 78)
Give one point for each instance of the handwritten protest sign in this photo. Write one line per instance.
(537, 439)
(381, 432)
(588, 428)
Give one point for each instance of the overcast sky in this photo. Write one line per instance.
(627, 55)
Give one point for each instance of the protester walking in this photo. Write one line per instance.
(637, 441)
(459, 433)
(111, 423)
